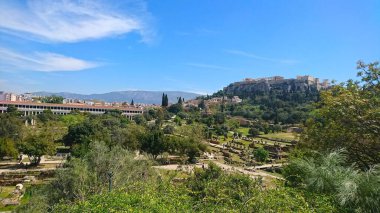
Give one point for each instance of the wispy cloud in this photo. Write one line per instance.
(209, 66)
(70, 21)
(42, 61)
(254, 56)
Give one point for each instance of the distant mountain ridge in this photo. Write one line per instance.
(146, 97)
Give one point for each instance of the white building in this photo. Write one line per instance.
(31, 108)
(10, 97)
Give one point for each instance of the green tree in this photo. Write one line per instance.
(46, 115)
(35, 146)
(139, 119)
(52, 99)
(219, 118)
(348, 116)
(165, 100)
(202, 104)
(261, 154)
(8, 148)
(72, 119)
(11, 126)
(12, 109)
(154, 143)
(253, 132)
(175, 108)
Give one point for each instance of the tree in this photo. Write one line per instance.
(261, 154)
(8, 148)
(175, 108)
(165, 100)
(202, 104)
(52, 99)
(348, 116)
(11, 126)
(253, 132)
(35, 146)
(180, 100)
(154, 143)
(220, 118)
(12, 109)
(46, 115)
(139, 119)
(132, 103)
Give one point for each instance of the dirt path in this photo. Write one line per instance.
(225, 167)
(24, 170)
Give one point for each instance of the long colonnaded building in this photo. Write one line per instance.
(31, 108)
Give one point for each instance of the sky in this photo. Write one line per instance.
(195, 46)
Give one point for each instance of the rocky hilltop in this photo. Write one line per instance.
(278, 83)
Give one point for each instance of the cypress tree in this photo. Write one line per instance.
(163, 99)
(132, 103)
(166, 100)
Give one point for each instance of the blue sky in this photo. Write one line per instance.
(197, 46)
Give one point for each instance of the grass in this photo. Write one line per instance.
(282, 135)
(173, 174)
(212, 148)
(243, 130)
(236, 158)
(5, 191)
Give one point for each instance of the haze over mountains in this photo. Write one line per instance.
(146, 97)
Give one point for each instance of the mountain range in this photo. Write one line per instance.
(145, 97)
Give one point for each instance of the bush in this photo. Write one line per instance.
(169, 129)
(328, 174)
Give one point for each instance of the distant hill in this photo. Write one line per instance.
(146, 97)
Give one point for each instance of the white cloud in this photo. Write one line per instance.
(70, 21)
(42, 61)
(250, 55)
(208, 66)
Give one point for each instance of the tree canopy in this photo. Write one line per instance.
(348, 116)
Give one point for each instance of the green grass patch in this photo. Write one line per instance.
(281, 135)
(243, 130)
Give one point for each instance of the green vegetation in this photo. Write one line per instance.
(83, 187)
(261, 154)
(348, 117)
(328, 174)
(52, 99)
(333, 167)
